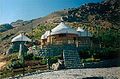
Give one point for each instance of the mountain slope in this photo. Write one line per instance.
(5, 27)
(26, 26)
(105, 14)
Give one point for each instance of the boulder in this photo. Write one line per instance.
(59, 65)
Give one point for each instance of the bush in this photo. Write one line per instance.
(37, 58)
(15, 64)
(29, 57)
(11, 56)
(43, 61)
(54, 59)
(32, 57)
(90, 60)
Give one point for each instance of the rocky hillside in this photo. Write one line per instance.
(5, 27)
(26, 26)
(106, 14)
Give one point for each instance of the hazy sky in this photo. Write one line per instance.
(12, 10)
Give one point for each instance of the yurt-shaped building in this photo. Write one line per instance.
(84, 38)
(16, 41)
(44, 38)
(61, 34)
(21, 38)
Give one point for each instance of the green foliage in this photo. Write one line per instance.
(29, 57)
(15, 64)
(5, 27)
(40, 29)
(37, 58)
(100, 53)
(108, 42)
(32, 57)
(11, 56)
(5, 73)
(53, 59)
(43, 61)
(85, 54)
(90, 60)
(109, 37)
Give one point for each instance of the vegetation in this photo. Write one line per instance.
(14, 65)
(40, 29)
(101, 19)
(5, 27)
(89, 60)
(107, 44)
(53, 59)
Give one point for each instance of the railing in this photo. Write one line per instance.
(17, 73)
(29, 69)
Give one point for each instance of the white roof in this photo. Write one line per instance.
(62, 28)
(83, 32)
(21, 37)
(80, 29)
(45, 35)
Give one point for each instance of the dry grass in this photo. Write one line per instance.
(2, 62)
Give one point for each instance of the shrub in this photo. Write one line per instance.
(53, 59)
(15, 64)
(89, 60)
(29, 57)
(11, 56)
(37, 58)
(43, 61)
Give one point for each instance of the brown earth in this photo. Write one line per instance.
(2, 62)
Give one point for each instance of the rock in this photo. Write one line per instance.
(55, 66)
(59, 65)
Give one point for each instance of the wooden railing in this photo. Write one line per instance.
(17, 73)
(29, 69)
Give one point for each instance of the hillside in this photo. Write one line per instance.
(96, 13)
(26, 26)
(105, 14)
(5, 27)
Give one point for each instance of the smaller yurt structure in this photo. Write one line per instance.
(44, 38)
(21, 38)
(16, 41)
(84, 37)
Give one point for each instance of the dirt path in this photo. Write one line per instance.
(89, 73)
(2, 62)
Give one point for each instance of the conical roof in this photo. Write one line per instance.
(62, 28)
(21, 37)
(83, 32)
(80, 29)
(44, 36)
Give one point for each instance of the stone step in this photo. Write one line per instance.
(71, 59)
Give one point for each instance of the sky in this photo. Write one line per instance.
(12, 10)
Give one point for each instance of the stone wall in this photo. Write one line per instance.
(106, 63)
